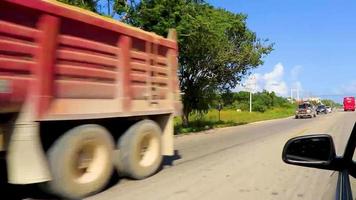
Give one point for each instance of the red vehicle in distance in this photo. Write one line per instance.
(349, 103)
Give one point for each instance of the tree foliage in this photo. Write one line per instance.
(86, 4)
(331, 103)
(216, 47)
(261, 101)
(108, 8)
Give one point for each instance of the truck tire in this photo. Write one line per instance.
(139, 150)
(80, 162)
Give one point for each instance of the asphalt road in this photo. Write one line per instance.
(241, 162)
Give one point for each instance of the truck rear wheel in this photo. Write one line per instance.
(80, 162)
(140, 150)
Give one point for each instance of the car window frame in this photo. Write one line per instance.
(344, 190)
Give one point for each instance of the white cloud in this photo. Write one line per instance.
(276, 74)
(277, 87)
(271, 81)
(274, 80)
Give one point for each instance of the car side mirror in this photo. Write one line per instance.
(315, 151)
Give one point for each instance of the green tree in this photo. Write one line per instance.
(261, 101)
(103, 7)
(241, 100)
(329, 102)
(86, 4)
(216, 47)
(227, 98)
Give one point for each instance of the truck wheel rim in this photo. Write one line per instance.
(148, 150)
(89, 162)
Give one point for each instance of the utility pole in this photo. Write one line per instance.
(252, 86)
(219, 109)
(250, 101)
(291, 94)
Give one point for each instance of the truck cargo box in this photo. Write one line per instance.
(73, 64)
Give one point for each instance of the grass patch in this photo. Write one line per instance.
(229, 118)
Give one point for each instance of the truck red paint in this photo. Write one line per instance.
(75, 84)
(349, 103)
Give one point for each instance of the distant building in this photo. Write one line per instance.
(313, 99)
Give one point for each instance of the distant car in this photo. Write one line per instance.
(321, 109)
(328, 109)
(318, 151)
(305, 110)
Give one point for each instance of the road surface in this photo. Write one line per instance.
(241, 162)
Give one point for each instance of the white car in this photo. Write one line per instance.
(328, 109)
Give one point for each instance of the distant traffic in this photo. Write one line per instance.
(309, 110)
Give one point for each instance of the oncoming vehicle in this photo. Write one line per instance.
(328, 109)
(321, 109)
(318, 151)
(349, 104)
(305, 110)
(82, 95)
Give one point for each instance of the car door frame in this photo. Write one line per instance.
(343, 189)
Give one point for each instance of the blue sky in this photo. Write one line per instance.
(315, 43)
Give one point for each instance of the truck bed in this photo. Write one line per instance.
(69, 63)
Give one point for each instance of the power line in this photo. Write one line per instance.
(335, 95)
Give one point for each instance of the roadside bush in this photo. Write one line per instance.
(261, 101)
(258, 106)
(240, 105)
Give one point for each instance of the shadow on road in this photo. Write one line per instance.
(19, 192)
(168, 160)
(32, 191)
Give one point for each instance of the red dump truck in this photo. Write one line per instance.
(349, 103)
(82, 95)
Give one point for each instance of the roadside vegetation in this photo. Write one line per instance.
(265, 106)
(229, 117)
(331, 103)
